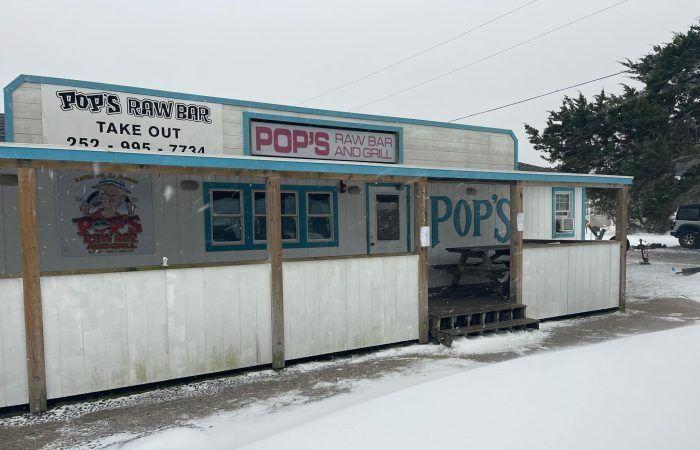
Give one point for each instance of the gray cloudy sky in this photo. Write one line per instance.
(287, 51)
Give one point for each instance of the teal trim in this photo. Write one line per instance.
(248, 116)
(556, 190)
(408, 212)
(249, 243)
(583, 213)
(29, 152)
(247, 104)
(245, 189)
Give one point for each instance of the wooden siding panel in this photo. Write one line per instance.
(13, 355)
(107, 331)
(569, 279)
(336, 305)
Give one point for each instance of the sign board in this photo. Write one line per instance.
(79, 117)
(105, 213)
(316, 142)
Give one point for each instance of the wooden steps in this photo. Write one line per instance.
(473, 317)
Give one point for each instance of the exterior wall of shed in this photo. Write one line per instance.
(559, 280)
(178, 218)
(538, 213)
(422, 145)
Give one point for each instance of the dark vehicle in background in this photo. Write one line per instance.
(685, 225)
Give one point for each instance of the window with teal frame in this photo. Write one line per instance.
(563, 212)
(235, 216)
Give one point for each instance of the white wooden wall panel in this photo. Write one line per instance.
(26, 108)
(13, 356)
(538, 212)
(345, 304)
(568, 279)
(107, 331)
(424, 145)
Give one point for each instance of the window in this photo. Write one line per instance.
(226, 217)
(563, 205)
(290, 216)
(388, 217)
(235, 217)
(688, 213)
(320, 216)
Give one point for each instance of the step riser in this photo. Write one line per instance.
(447, 340)
(444, 329)
(477, 318)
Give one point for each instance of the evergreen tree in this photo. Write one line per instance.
(641, 132)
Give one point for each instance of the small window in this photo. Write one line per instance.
(388, 218)
(688, 213)
(290, 216)
(319, 216)
(563, 212)
(226, 217)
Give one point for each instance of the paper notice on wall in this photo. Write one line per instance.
(520, 222)
(425, 236)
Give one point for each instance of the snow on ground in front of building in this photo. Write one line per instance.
(649, 238)
(661, 280)
(634, 393)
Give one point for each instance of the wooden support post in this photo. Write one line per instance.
(621, 237)
(274, 254)
(420, 202)
(31, 283)
(516, 243)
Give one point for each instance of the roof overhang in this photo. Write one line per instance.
(28, 152)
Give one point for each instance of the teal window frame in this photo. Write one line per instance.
(249, 243)
(572, 193)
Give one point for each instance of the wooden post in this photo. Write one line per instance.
(516, 243)
(31, 283)
(420, 202)
(274, 253)
(621, 237)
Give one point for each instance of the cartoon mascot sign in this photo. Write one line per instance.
(112, 214)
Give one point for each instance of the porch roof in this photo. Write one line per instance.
(12, 151)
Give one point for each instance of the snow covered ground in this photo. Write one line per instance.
(635, 393)
(649, 238)
(661, 279)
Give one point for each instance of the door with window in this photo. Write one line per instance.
(388, 218)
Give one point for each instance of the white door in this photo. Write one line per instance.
(388, 218)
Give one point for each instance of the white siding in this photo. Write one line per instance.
(26, 113)
(572, 278)
(13, 356)
(538, 213)
(422, 144)
(345, 304)
(107, 331)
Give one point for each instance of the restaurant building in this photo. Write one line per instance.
(150, 235)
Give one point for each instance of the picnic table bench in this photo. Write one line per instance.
(486, 263)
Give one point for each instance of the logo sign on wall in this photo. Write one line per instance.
(313, 142)
(105, 213)
(115, 120)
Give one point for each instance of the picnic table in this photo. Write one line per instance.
(486, 256)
